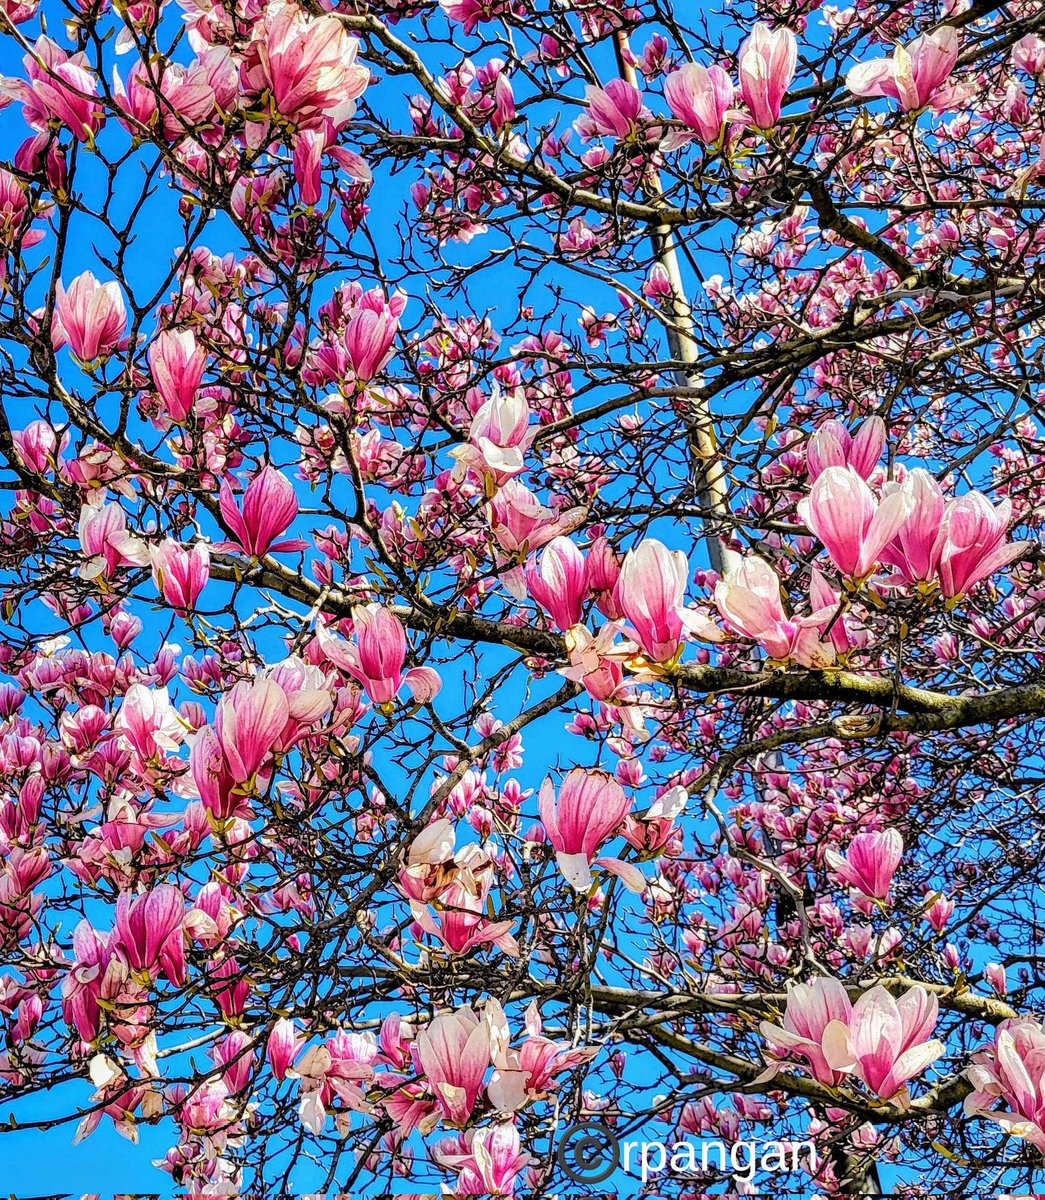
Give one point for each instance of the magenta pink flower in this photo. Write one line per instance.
(915, 549)
(89, 317)
(650, 591)
(369, 336)
(834, 446)
(487, 1161)
(249, 722)
(749, 600)
(613, 111)
(1011, 1070)
(106, 542)
(700, 96)
(60, 87)
(870, 862)
(180, 572)
(283, 1046)
(177, 362)
(886, 1042)
(912, 74)
(971, 544)
(148, 933)
(498, 438)
(843, 513)
(521, 523)
(453, 1053)
(590, 809)
(308, 66)
(269, 508)
(378, 656)
(767, 65)
(811, 1008)
(558, 581)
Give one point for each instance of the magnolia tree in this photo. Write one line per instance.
(522, 592)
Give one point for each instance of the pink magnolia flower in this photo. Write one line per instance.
(834, 446)
(590, 809)
(521, 523)
(369, 336)
(60, 87)
(843, 513)
(767, 65)
(16, 213)
(249, 722)
(498, 438)
(811, 1009)
(870, 862)
(269, 508)
(378, 656)
(613, 111)
(886, 1042)
(971, 544)
(749, 600)
(90, 317)
(462, 923)
(1011, 1070)
(149, 722)
(912, 74)
(148, 932)
(701, 97)
(487, 1161)
(180, 572)
(177, 362)
(650, 590)
(283, 1046)
(308, 66)
(595, 662)
(106, 543)
(915, 550)
(452, 1054)
(558, 581)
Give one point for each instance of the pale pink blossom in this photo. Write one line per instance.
(854, 527)
(89, 317)
(913, 73)
(811, 1009)
(834, 446)
(886, 1042)
(1011, 1071)
(767, 65)
(452, 1053)
(590, 809)
(701, 97)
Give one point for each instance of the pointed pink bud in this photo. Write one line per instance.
(283, 1047)
(650, 591)
(834, 446)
